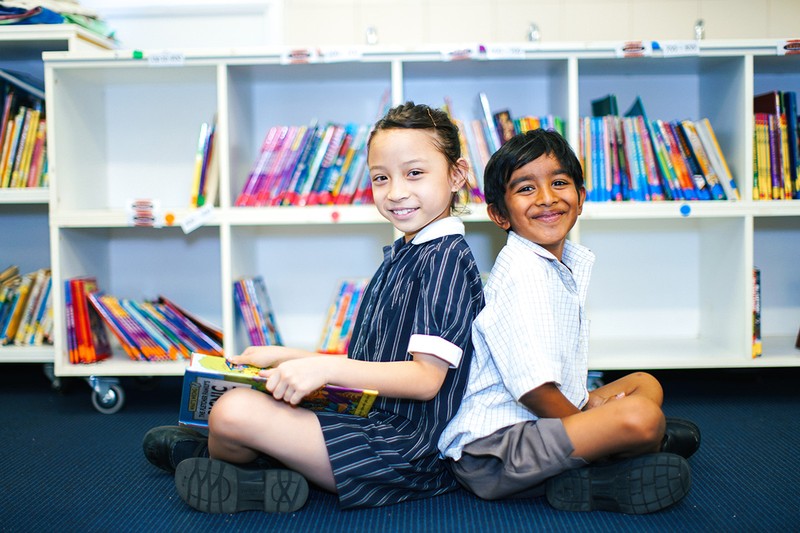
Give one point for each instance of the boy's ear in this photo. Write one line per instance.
(497, 217)
(458, 176)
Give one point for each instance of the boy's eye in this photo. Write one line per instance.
(525, 188)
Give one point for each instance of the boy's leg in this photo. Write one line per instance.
(636, 384)
(631, 425)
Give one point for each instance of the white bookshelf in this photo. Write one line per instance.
(670, 289)
(25, 238)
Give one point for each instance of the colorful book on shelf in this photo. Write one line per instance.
(22, 134)
(207, 328)
(208, 377)
(255, 309)
(342, 313)
(793, 140)
(757, 344)
(151, 330)
(87, 338)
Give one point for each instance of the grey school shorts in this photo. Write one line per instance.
(515, 461)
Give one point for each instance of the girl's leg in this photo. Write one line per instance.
(244, 423)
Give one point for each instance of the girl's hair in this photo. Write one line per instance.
(518, 152)
(423, 117)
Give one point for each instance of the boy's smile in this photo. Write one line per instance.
(543, 204)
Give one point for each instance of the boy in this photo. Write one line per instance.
(527, 425)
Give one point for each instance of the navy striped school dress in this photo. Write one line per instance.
(423, 289)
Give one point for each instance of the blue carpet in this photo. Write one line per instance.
(68, 468)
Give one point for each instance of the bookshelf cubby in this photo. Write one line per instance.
(25, 237)
(673, 280)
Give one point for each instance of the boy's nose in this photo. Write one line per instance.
(545, 196)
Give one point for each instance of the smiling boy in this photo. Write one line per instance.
(527, 425)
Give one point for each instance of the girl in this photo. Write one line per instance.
(411, 342)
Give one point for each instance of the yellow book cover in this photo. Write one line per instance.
(208, 376)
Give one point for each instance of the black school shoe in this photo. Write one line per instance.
(638, 485)
(166, 446)
(681, 437)
(214, 486)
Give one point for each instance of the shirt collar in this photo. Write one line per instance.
(440, 228)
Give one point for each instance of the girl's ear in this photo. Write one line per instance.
(497, 217)
(458, 175)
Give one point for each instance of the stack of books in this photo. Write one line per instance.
(776, 148)
(255, 309)
(23, 130)
(341, 318)
(632, 158)
(26, 314)
(155, 330)
(319, 164)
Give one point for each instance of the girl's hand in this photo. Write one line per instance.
(266, 356)
(293, 380)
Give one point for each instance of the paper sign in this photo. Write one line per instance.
(196, 218)
(679, 48)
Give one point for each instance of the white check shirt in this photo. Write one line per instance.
(532, 331)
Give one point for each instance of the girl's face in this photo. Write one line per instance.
(412, 182)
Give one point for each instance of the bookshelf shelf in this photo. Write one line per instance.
(673, 282)
(24, 212)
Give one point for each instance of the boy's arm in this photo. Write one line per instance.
(546, 401)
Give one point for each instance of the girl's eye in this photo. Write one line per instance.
(379, 178)
(415, 173)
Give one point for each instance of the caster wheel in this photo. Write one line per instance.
(110, 402)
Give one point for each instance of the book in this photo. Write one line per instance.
(757, 346)
(793, 138)
(207, 377)
(709, 139)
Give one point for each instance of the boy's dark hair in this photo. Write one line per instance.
(518, 152)
(423, 117)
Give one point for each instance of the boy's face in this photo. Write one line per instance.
(543, 204)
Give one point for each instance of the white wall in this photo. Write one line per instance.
(241, 23)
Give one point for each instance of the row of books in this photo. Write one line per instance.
(205, 182)
(154, 330)
(23, 130)
(26, 314)
(255, 309)
(256, 312)
(481, 137)
(632, 158)
(341, 317)
(776, 146)
(318, 164)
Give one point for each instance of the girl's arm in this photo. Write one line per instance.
(418, 379)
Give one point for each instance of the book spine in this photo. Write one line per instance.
(757, 345)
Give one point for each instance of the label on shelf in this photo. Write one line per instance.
(789, 47)
(678, 48)
(166, 58)
(635, 49)
(469, 51)
(299, 55)
(504, 51)
(196, 218)
(338, 55)
(144, 212)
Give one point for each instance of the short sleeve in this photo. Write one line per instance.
(449, 298)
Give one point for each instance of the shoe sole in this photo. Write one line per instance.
(214, 486)
(639, 485)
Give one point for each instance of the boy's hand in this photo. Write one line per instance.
(596, 400)
(291, 381)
